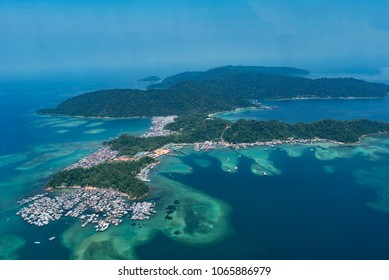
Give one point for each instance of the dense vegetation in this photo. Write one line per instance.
(197, 127)
(117, 175)
(130, 145)
(342, 131)
(193, 128)
(225, 90)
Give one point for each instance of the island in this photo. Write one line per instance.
(183, 115)
(151, 79)
(219, 89)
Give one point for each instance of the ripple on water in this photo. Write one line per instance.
(44, 153)
(62, 131)
(377, 179)
(10, 245)
(48, 121)
(29, 174)
(94, 131)
(329, 169)
(115, 243)
(11, 159)
(94, 124)
(70, 124)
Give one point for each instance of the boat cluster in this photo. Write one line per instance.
(100, 156)
(101, 207)
(142, 210)
(42, 211)
(31, 198)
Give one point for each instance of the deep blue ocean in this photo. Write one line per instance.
(318, 202)
(304, 213)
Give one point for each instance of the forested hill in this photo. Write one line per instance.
(209, 96)
(192, 128)
(225, 72)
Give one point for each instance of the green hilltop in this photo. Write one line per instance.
(218, 89)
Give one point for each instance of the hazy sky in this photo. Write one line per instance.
(38, 36)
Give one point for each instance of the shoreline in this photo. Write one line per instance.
(326, 98)
(208, 145)
(91, 117)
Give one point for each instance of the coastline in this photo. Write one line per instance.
(240, 109)
(325, 98)
(91, 117)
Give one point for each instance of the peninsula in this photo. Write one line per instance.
(218, 89)
(131, 158)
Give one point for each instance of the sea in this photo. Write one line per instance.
(313, 201)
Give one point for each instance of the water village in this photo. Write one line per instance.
(30, 199)
(101, 207)
(158, 126)
(100, 156)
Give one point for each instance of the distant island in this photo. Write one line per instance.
(151, 79)
(219, 89)
(226, 72)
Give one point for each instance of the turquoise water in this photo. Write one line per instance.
(318, 201)
(308, 211)
(34, 147)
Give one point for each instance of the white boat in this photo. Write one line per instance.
(37, 242)
(52, 238)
